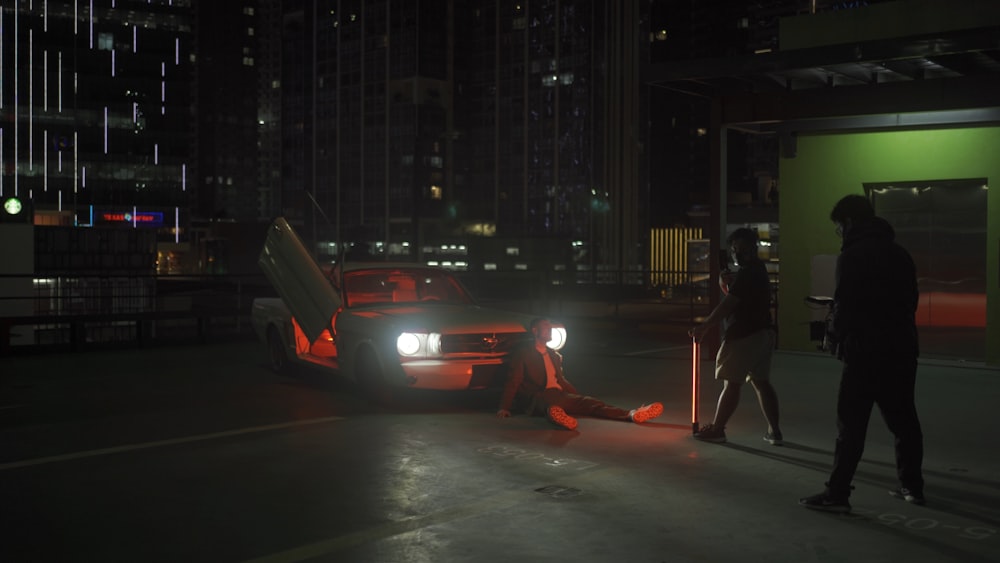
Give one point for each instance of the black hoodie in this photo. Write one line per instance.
(876, 297)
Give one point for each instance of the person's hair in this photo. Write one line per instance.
(535, 322)
(854, 207)
(743, 233)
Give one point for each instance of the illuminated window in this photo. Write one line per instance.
(105, 41)
(513, 251)
(436, 192)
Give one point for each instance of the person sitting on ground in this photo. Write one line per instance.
(535, 379)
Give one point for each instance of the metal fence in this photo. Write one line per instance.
(68, 312)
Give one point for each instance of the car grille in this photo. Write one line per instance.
(482, 343)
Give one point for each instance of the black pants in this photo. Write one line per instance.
(890, 385)
(576, 405)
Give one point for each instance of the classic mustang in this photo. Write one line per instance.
(383, 324)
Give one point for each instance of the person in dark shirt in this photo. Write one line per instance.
(748, 339)
(875, 334)
(535, 379)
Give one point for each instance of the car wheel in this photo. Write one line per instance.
(280, 362)
(371, 381)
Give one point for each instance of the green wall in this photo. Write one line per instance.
(830, 166)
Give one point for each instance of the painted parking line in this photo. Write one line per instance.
(658, 350)
(162, 443)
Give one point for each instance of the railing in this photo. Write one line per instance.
(69, 312)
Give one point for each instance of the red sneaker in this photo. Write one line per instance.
(646, 412)
(558, 416)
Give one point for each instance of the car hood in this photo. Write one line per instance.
(445, 319)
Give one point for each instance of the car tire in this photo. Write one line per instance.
(280, 362)
(370, 378)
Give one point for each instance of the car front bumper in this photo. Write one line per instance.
(452, 375)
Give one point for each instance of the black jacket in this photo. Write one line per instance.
(526, 375)
(875, 301)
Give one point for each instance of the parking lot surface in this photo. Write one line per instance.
(200, 453)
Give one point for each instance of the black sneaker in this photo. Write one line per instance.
(910, 496)
(711, 433)
(826, 502)
(774, 438)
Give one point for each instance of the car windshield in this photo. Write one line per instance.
(393, 285)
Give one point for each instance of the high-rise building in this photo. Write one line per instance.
(405, 123)
(366, 106)
(95, 111)
(549, 99)
(226, 110)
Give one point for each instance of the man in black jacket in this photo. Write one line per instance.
(874, 329)
(535, 378)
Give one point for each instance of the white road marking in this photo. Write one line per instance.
(161, 443)
(658, 350)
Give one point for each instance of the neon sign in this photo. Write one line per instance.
(145, 218)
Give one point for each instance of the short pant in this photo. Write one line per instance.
(746, 358)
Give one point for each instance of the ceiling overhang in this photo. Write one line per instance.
(936, 80)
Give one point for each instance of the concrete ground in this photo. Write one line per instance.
(201, 454)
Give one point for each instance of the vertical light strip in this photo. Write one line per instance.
(184, 177)
(90, 23)
(60, 201)
(156, 153)
(45, 160)
(177, 50)
(83, 176)
(134, 213)
(1, 160)
(135, 113)
(45, 81)
(112, 62)
(76, 17)
(16, 104)
(135, 39)
(76, 157)
(31, 99)
(105, 129)
(45, 15)
(1, 60)
(59, 73)
(177, 224)
(163, 86)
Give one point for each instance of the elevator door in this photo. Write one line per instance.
(943, 225)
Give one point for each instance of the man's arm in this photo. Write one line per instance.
(721, 311)
(515, 375)
(557, 361)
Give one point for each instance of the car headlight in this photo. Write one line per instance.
(558, 338)
(418, 344)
